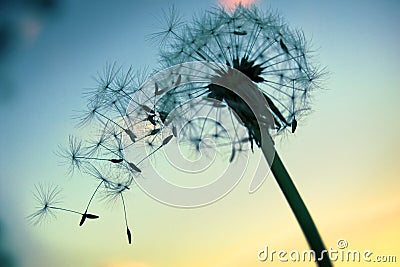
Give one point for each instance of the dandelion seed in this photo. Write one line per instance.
(159, 92)
(283, 46)
(87, 216)
(178, 80)
(98, 144)
(174, 131)
(131, 135)
(171, 21)
(156, 88)
(114, 193)
(294, 124)
(116, 160)
(48, 199)
(96, 173)
(134, 167)
(147, 109)
(239, 32)
(154, 131)
(232, 154)
(128, 232)
(167, 139)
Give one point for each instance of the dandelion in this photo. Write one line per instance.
(103, 157)
(48, 199)
(262, 47)
(274, 57)
(136, 122)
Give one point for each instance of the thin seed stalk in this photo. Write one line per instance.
(299, 208)
(67, 210)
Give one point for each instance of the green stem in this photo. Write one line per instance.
(300, 210)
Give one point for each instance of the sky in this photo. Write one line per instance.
(343, 158)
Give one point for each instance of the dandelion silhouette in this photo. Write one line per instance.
(133, 116)
(47, 197)
(273, 57)
(103, 157)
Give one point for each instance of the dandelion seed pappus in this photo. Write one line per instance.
(201, 132)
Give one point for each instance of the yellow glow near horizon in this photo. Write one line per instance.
(128, 264)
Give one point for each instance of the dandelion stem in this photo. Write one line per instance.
(93, 158)
(123, 204)
(299, 208)
(150, 154)
(94, 193)
(128, 232)
(108, 119)
(68, 210)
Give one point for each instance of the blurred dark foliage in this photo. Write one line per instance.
(12, 16)
(20, 22)
(6, 259)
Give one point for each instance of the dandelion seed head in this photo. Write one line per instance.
(261, 46)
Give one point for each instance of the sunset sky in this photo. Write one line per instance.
(344, 157)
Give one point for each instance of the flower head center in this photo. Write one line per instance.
(249, 68)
